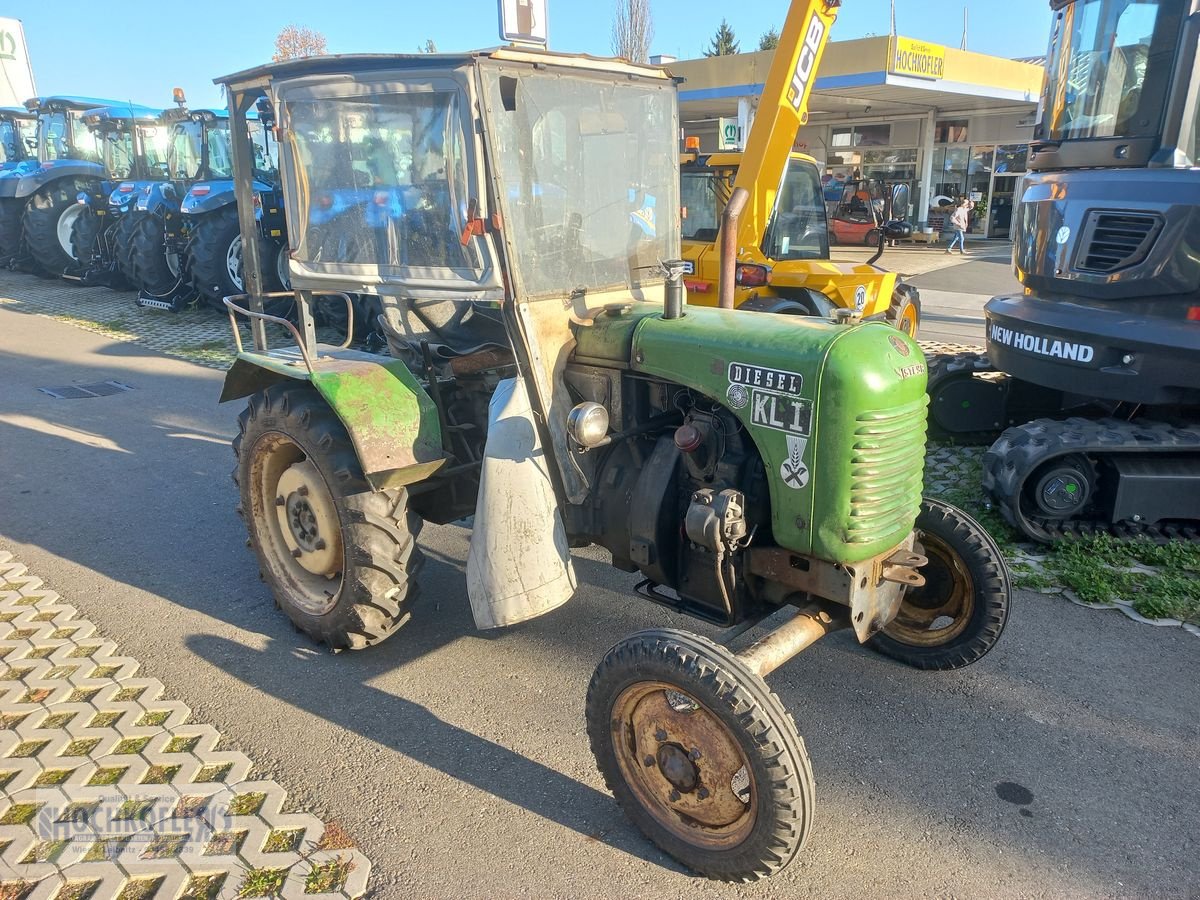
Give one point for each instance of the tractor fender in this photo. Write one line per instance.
(161, 196)
(391, 420)
(74, 169)
(797, 302)
(519, 564)
(220, 193)
(12, 173)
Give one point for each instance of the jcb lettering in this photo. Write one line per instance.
(808, 56)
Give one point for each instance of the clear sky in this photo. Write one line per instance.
(139, 49)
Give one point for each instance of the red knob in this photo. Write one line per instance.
(688, 437)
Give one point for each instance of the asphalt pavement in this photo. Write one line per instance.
(1064, 764)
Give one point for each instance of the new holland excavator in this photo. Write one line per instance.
(1092, 370)
(779, 229)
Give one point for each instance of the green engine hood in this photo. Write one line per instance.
(837, 412)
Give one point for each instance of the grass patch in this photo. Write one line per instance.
(45, 851)
(129, 694)
(12, 720)
(106, 719)
(154, 718)
(20, 813)
(335, 838)
(83, 695)
(79, 812)
(246, 804)
(213, 772)
(160, 774)
(81, 747)
(141, 888)
(114, 328)
(204, 887)
(62, 634)
(107, 849)
(83, 651)
(226, 843)
(6, 778)
(328, 877)
(182, 744)
(165, 846)
(262, 883)
(15, 673)
(61, 672)
(52, 777)
(104, 671)
(35, 695)
(77, 890)
(131, 745)
(108, 776)
(16, 890)
(40, 652)
(135, 810)
(283, 840)
(190, 807)
(26, 749)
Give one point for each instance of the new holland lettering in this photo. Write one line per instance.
(1041, 346)
(804, 64)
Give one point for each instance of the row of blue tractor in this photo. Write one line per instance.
(135, 198)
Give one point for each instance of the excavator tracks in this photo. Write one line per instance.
(953, 386)
(1063, 458)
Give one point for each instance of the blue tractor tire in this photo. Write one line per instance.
(47, 222)
(214, 257)
(11, 209)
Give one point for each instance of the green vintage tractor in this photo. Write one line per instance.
(516, 213)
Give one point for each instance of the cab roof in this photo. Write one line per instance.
(353, 63)
(17, 112)
(66, 101)
(124, 112)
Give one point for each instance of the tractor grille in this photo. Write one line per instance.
(1115, 240)
(886, 470)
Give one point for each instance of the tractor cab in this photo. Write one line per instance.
(18, 135)
(62, 133)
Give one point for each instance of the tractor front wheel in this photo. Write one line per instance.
(700, 754)
(904, 313)
(49, 219)
(340, 558)
(11, 210)
(959, 613)
(85, 233)
(123, 244)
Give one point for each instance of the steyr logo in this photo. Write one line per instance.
(8, 45)
(808, 57)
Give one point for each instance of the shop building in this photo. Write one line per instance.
(949, 123)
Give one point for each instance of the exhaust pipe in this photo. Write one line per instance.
(729, 229)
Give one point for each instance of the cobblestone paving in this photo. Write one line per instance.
(107, 792)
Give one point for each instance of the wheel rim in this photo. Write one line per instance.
(233, 262)
(66, 223)
(683, 765)
(938, 612)
(908, 320)
(297, 523)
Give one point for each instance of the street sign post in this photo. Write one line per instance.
(523, 21)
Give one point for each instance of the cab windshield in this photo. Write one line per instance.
(184, 153)
(63, 136)
(701, 204)
(797, 229)
(1108, 69)
(220, 153)
(10, 141)
(154, 140)
(588, 169)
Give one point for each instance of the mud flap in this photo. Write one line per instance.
(519, 565)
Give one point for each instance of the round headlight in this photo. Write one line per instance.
(588, 424)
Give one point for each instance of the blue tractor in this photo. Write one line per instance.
(42, 194)
(186, 241)
(18, 145)
(132, 141)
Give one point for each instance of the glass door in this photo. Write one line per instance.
(1000, 209)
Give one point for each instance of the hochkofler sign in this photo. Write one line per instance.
(917, 58)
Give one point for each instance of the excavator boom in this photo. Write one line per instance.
(782, 109)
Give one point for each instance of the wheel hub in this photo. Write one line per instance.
(233, 262)
(675, 766)
(1062, 492)
(308, 519)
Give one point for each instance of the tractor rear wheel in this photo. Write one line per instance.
(340, 558)
(156, 270)
(123, 244)
(10, 228)
(49, 218)
(959, 613)
(214, 257)
(700, 754)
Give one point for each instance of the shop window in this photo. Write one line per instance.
(842, 137)
(1010, 158)
(981, 161)
(950, 131)
(872, 135)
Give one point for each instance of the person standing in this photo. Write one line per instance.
(960, 219)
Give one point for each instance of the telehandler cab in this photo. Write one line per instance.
(769, 206)
(516, 213)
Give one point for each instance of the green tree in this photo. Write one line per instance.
(430, 47)
(769, 39)
(723, 42)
